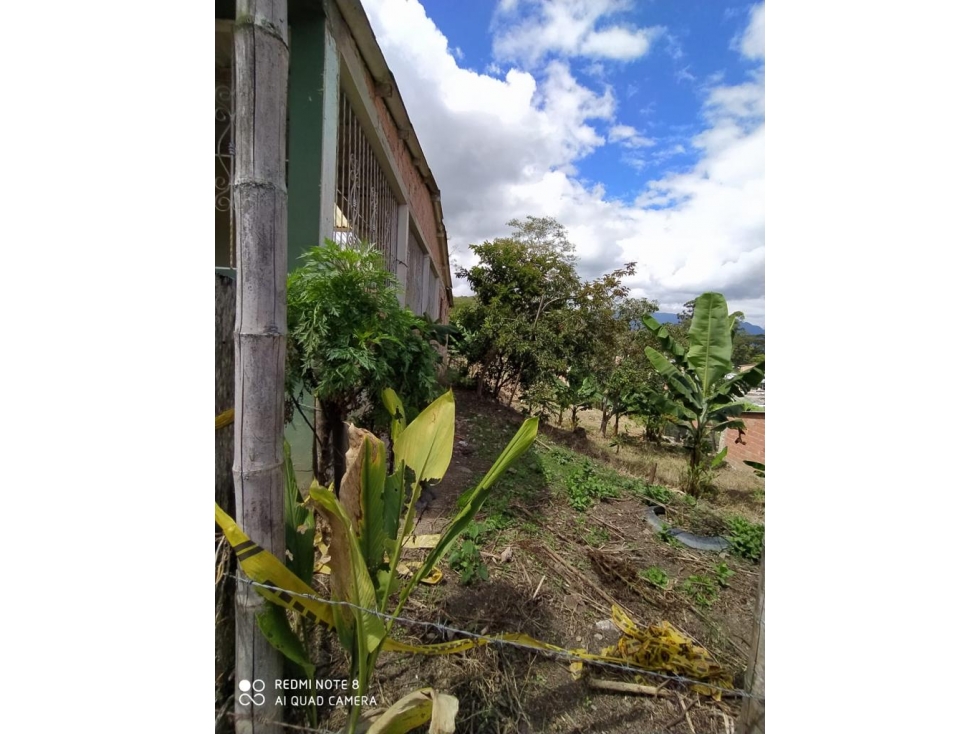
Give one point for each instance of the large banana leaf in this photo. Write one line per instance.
(275, 626)
(425, 706)
(393, 404)
(682, 384)
(425, 445)
(662, 334)
(373, 478)
(710, 349)
(351, 579)
(300, 524)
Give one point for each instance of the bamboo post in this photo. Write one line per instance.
(752, 719)
(261, 75)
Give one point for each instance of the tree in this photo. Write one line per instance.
(633, 386)
(521, 285)
(261, 75)
(698, 377)
(349, 339)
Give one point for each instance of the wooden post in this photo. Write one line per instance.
(752, 719)
(261, 76)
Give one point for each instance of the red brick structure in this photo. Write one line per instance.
(751, 445)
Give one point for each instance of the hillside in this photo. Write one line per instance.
(672, 318)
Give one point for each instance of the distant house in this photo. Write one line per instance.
(355, 171)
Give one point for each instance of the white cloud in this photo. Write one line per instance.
(508, 147)
(568, 28)
(629, 137)
(752, 42)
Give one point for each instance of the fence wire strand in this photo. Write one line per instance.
(563, 655)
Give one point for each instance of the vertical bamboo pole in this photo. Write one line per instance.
(752, 719)
(261, 75)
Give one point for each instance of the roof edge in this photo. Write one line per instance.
(363, 34)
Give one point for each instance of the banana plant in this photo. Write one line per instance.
(699, 379)
(373, 515)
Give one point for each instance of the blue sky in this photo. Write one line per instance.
(637, 124)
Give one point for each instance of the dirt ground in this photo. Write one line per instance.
(553, 572)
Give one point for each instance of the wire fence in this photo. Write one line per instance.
(565, 655)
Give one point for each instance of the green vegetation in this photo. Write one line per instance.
(758, 467)
(747, 538)
(371, 519)
(704, 397)
(702, 590)
(586, 486)
(596, 537)
(723, 574)
(655, 576)
(468, 562)
(349, 339)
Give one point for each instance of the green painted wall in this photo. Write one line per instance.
(305, 155)
(305, 146)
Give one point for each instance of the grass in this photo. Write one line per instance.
(596, 537)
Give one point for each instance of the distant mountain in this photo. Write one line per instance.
(672, 318)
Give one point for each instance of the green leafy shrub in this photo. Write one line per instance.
(747, 538)
(585, 487)
(657, 493)
(349, 338)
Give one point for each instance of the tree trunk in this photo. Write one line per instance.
(322, 462)
(752, 719)
(338, 445)
(605, 417)
(615, 428)
(261, 76)
(516, 385)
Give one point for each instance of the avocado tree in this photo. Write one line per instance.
(699, 380)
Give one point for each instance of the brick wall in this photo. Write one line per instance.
(752, 447)
(419, 197)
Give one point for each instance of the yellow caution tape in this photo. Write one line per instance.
(224, 419)
(408, 568)
(658, 648)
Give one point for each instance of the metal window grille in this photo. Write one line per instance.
(224, 148)
(415, 287)
(434, 286)
(366, 208)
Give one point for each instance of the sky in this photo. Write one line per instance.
(637, 124)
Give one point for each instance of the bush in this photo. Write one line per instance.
(350, 338)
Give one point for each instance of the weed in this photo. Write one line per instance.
(655, 576)
(585, 487)
(530, 529)
(466, 558)
(722, 573)
(596, 537)
(666, 537)
(746, 538)
(656, 493)
(701, 589)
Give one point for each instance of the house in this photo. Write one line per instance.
(354, 171)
